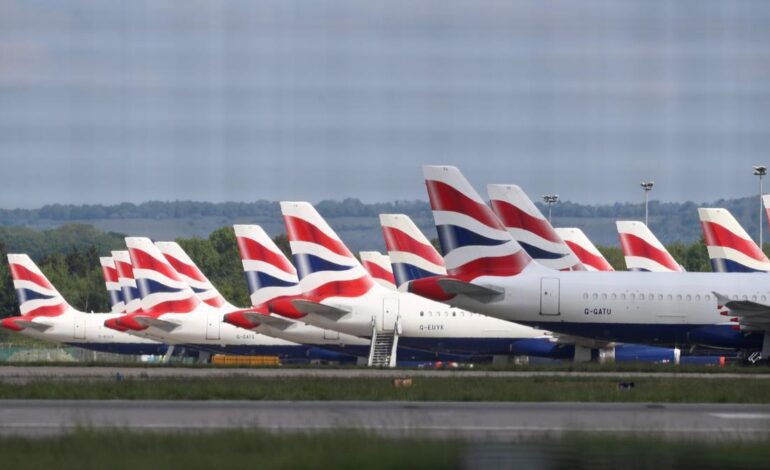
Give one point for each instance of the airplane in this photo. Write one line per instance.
(531, 229)
(339, 294)
(586, 252)
(378, 266)
(409, 246)
(489, 273)
(730, 248)
(110, 273)
(46, 315)
(171, 311)
(642, 249)
(275, 327)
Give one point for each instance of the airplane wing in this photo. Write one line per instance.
(328, 311)
(750, 314)
(271, 321)
(475, 292)
(164, 325)
(32, 325)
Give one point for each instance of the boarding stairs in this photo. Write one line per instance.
(382, 352)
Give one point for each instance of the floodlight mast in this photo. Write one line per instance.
(550, 200)
(647, 187)
(760, 170)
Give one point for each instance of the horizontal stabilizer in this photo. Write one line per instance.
(308, 306)
(749, 313)
(479, 293)
(164, 325)
(32, 325)
(271, 321)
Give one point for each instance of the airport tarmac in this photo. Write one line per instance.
(497, 421)
(21, 373)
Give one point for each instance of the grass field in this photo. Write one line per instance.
(342, 450)
(545, 389)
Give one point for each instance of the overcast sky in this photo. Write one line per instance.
(111, 101)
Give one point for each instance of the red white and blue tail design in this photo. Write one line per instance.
(474, 241)
(326, 267)
(586, 252)
(110, 273)
(192, 275)
(530, 228)
(132, 299)
(37, 296)
(162, 289)
(269, 274)
(643, 251)
(412, 256)
(378, 266)
(730, 248)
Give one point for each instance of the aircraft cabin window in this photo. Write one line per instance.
(745, 297)
(622, 296)
(614, 296)
(707, 297)
(585, 296)
(454, 314)
(763, 298)
(689, 297)
(595, 296)
(651, 297)
(670, 297)
(641, 296)
(679, 297)
(631, 296)
(754, 298)
(697, 297)
(660, 296)
(604, 296)
(422, 314)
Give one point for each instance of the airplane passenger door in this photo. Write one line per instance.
(213, 322)
(80, 327)
(389, 314)
(549, 296)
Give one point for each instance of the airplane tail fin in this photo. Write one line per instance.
(130, 292)
(269, 274)
(192, 275)
(412, 256)
(37, 296)
(162, 289)
(110, 273)
(378, 266)
(584, 249)
(642, 249)
(474, 241)
(325, 265)
(730, 248)
(530, 228)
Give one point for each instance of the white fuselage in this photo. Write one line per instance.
(643, 307)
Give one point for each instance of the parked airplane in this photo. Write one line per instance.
(339, 294)
(585, 251)
(171, 311)
(405, 241)
(45, 315)
(489, 272)
(110, 273)
(642, 249)
(531, 229)
(730, 248)
(378, 266)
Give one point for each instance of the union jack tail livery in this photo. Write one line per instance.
(412, 256)
(37, 296)
(730, 248)
(132, 299)
(378, 266)
(325, 265)
(110, 273)
(194, 277)
(269, 274)
(527, 225)
(643, 251)
(586, 252)
(162, 289)
(474, 241)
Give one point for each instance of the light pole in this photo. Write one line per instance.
(760, 170)
(550, 200)
(647, 186)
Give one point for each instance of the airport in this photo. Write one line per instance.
(339, 234)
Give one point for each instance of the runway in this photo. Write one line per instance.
(477, 421)
(22, 373)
